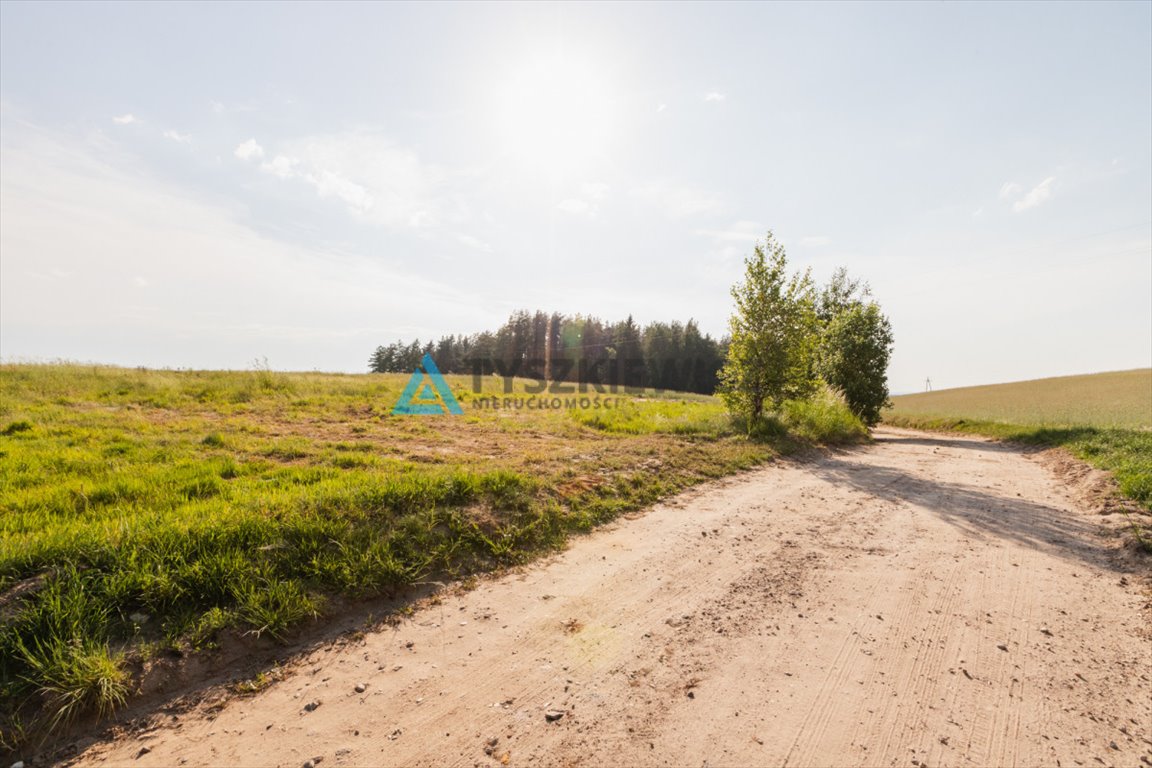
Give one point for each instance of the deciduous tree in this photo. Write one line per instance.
(855, 347)
(773, 336)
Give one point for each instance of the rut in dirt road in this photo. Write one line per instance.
(922, 601)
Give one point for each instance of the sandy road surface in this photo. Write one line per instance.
(923, 601)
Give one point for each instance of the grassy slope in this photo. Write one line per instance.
(1116, 399)
(144, 510)
(1104, 418)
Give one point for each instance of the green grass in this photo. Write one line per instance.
(822, 419)
(142, 511)
(1105, 419)
(644, 416)
(76, 677)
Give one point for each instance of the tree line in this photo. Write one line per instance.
(788, 338)
(573, 348)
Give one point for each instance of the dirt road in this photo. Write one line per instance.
(923, 601)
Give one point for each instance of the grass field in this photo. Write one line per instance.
(1104, 418)
(145, 511)
(1117, 399)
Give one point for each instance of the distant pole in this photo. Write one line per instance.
(928, 385)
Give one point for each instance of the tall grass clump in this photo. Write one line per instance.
(75, 677)
(823, 418)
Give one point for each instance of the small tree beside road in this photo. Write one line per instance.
(774, 336)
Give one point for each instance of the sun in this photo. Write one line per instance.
(554, 114)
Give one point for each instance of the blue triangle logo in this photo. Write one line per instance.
(427, 393)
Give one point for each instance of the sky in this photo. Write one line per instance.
(211, 185)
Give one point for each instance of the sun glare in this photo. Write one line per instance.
(554, 114)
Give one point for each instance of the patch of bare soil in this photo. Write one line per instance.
(923, 601)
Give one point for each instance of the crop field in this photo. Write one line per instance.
(144, 511)
(1116, 399)
(1104, 418)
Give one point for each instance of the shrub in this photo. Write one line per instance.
(824, 418)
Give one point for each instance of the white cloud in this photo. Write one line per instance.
(1036, 196)
(220, 108)
(732, 243)
(814, 241)
(714, 96)
(574, 206)
(249, 150)
(739, 232)
(331, 184)
(592, 193)
(125, 119)
(69, 212)
(55, 273)
(677, 200)
(179, 138)
(327, 183)
(281, 166)
(474, 242)
(369, 174)
(1009, 190)
(595, 190)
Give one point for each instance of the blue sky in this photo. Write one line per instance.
(201, 185)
